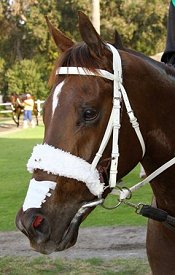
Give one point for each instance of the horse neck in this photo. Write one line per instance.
(160, 138)
(13, 100)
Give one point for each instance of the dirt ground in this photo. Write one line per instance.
(102, 242)
(7, 126)
(99, 242)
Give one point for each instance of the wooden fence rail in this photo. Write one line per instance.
(8, 108)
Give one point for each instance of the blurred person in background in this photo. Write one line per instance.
(28, 109)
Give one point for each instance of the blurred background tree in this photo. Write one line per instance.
(142, 23)
(25, 76)
(27, 52)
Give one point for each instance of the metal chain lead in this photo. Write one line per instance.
(137, 206)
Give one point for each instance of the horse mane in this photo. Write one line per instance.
(168, 69)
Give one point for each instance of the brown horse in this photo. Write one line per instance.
(67, 183)
(18, 108)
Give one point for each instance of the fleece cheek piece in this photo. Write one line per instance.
(59, 162)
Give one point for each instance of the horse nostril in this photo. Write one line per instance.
(34, 224)
(37, 221)
(40, 228)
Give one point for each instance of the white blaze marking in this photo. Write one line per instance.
(56, 96)
(37, 193)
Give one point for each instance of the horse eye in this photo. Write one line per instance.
(90, 114)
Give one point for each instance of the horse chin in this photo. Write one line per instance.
(68, 240)
(50, 246)
(43, 248)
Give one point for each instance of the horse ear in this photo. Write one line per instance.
(63, 42)
(90, 36)
(118, 41)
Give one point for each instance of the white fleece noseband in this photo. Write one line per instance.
(59, 162)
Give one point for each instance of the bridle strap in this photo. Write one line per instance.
(133, 119)
(125, 193)
(85, 72)
(104, 142)
(117, 68)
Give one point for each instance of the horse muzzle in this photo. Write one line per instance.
(36, 226)
(38, 230)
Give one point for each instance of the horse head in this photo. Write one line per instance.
(65, 186)
(12, 98)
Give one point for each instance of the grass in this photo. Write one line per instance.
(15, 150)
(45, 265)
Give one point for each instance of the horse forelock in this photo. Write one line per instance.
(77, 56)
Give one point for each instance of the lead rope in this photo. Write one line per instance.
(142, 209)
(126, 192)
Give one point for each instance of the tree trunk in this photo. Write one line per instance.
(96, 14)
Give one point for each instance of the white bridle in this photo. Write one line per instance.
(114, 120)
(58, 162)
(41, 159)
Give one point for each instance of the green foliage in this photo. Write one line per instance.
(141, 23)
(25, 77)
(25, 37)
(2, 64)
(24, 34)
(69, 15)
